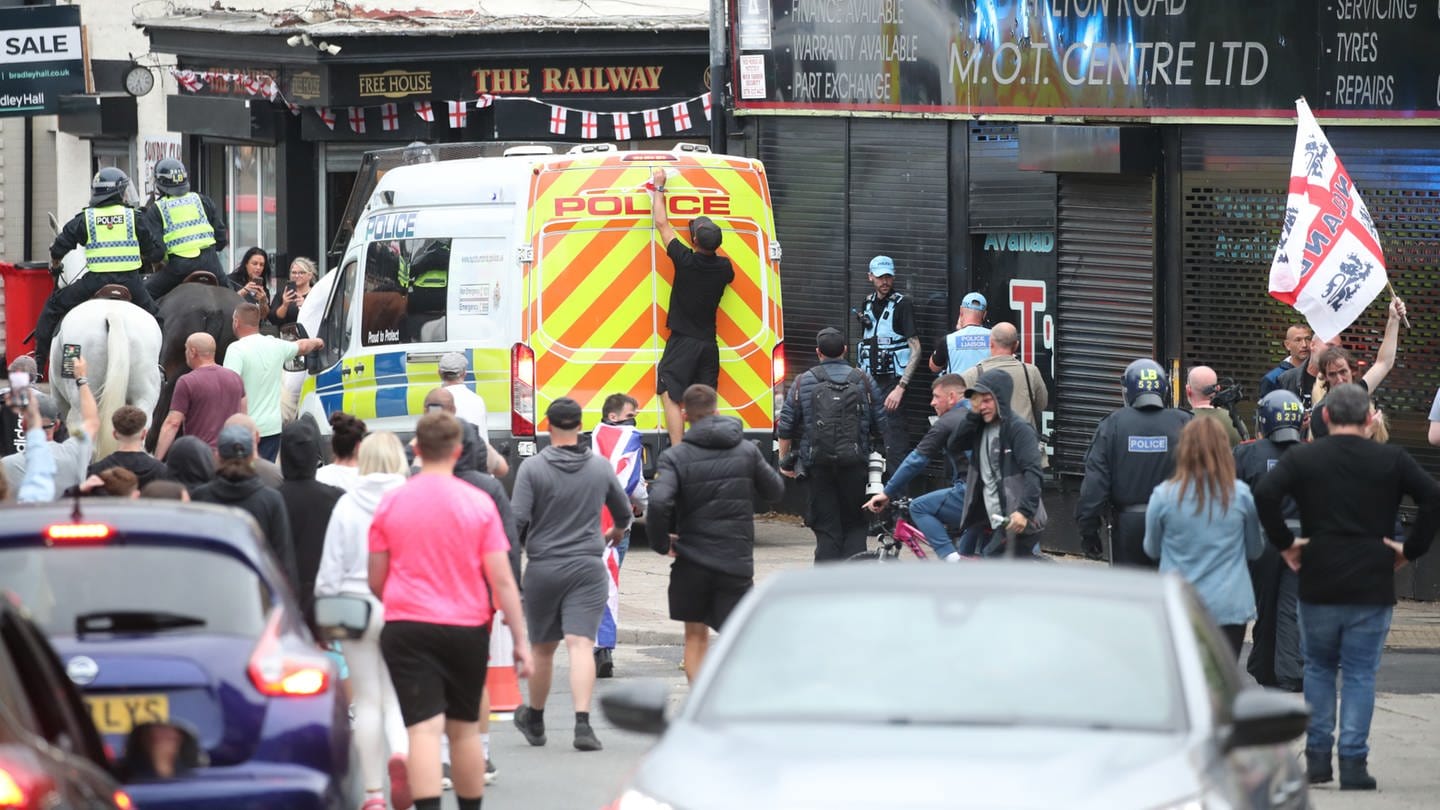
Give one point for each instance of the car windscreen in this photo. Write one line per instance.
(927, 657)
(138, 588)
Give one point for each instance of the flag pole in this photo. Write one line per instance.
(1391, 288)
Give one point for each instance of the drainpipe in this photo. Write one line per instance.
(718, 9)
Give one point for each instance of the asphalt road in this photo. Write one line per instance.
(556, 776)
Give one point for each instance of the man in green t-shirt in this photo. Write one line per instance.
(260, 360)
(1200, 388)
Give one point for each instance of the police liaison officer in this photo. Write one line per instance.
(116, 239)
(889, 351)
(191, 229)
(1275, 658)
(1133, 450)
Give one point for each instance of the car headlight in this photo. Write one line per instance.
(635, 800)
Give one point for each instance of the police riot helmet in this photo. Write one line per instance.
(171, 177)
(1278, 416)
(1145, 384)
(109, 185)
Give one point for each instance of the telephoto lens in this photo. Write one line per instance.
(875, 470)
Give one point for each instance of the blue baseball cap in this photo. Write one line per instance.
(974, 301)
(882, 266)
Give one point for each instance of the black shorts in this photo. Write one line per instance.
(685, 362)
(704, 595)
(436, 669)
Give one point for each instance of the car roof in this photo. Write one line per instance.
(230, 527)
(990, 575)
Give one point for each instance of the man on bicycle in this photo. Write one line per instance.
(935, 509)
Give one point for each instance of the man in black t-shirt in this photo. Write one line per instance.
(691, 354)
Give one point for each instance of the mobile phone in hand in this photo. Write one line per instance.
(68, 353)
(19, 390)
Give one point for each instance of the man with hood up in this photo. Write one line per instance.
(236, 484)
(1002, 487)
(308, 503)
(558, 498)
(705, 492)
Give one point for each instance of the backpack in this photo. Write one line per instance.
(840, 419)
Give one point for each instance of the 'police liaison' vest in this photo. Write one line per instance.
(111, 245)
(966, 348)
(187, 230)
(893, 348)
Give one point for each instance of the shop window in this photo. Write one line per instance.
(108, 154)
(249, 199)
(406, 287)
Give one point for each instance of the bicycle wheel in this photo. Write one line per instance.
(873, 555)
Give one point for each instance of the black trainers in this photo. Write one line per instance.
(1355, 774)
(1317, 767)
(532, 727)
(604, 663)
(585, 739)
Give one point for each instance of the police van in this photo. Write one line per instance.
(545, 271)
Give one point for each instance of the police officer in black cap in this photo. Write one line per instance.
(191, 229)
(1133, 450)
(1275, 655)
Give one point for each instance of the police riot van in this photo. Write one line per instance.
(546, 272)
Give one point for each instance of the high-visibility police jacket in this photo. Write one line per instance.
(966, 347)
(111, 241)
(893, 347)
(186, 229)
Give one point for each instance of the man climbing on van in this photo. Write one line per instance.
(691, 354)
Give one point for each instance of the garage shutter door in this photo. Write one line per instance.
(1106, 302)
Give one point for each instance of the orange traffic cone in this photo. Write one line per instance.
(500, 678)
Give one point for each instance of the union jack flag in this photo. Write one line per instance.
(621, 445)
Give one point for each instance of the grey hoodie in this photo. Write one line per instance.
(557, 503)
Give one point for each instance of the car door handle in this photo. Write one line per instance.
(358, 368)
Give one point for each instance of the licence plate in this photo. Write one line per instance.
(120, 713)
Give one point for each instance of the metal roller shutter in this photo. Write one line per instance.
(1106, 302)
(899, 207)
(1001, 196)
(1234, 185)
(805, 160)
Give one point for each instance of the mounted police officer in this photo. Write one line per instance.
(191, 229)
(116, 239)
(1275, 658)
(889, 352)
(1133, 450)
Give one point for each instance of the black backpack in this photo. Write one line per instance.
(839, 409)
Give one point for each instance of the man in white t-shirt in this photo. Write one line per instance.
(470, 407)
(260, 362)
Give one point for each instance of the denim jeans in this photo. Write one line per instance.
(1348, 638)
(933, 510)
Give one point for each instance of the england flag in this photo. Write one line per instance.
(1328, 264)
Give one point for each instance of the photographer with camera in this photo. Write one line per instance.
(1203, 388)
(832, 411)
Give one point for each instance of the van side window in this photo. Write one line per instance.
(406, 289)
(335, 329)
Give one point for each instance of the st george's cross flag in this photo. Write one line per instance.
(622, 446)
(1328, 264)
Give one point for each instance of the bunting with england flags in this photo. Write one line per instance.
(327, 116)
(457, 114)
(652, 123)
(357, 120)
(621, 121)
(589, 125)
(1329, 264)
(705, 100)
(389, 117)
(557, 119)
(425, 111)
(681, 113)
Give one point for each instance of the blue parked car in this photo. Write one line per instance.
(176, 616)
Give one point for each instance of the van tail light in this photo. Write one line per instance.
(777, 365)
(23, 787)
(522, 391)
(277, 672)
(77, 533)
(123, 801)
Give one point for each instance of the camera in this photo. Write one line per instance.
(874, 470)
(19, 390)
(1226, 393)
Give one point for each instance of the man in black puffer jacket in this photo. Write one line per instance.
(705, 493)
(236, 484)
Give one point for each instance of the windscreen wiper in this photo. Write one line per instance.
(133, 621)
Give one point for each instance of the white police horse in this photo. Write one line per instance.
(120, 342)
